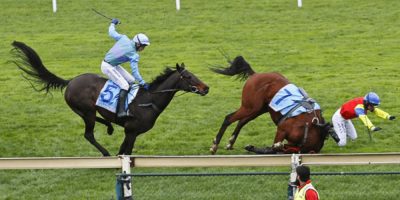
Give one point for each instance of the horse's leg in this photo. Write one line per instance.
(278, 141)
(243, 114)
(240, 125)
(122, 147)
(235, 133)
(221, 132)
(128, 143)
(110, 128)
(276, 147)
(89, 127)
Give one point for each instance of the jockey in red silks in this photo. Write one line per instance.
(124, 50)
(357, 107)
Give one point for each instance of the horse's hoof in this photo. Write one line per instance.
(213, 151)
(229, 147)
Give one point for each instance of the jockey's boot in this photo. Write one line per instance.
(121, 104)
(335, 137)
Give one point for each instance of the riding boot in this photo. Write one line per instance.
(335, 137)
(121, 104)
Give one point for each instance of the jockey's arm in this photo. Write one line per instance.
(366, 121)
(113, 33)
(135, 70)
(380, 113)
(359, 109)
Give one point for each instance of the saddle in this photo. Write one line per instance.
(307, 103)
(109, 95)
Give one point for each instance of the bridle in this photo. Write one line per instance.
(193, 89)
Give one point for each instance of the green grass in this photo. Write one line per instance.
(335, 50)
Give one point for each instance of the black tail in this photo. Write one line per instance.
(29, 61)
(238, 67)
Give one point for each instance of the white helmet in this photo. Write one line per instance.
(141, 39)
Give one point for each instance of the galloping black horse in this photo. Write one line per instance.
(82, 91)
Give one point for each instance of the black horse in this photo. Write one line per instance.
(82, 91)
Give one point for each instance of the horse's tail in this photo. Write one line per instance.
(29, 61)
(238, 67)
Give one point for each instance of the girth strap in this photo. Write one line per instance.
(154, 106)
(305, 135)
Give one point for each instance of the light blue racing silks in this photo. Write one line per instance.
(124, 50)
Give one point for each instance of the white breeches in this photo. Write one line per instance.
(343, 128)
(117, 74)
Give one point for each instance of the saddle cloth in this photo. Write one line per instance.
(109, 95)
(287, 98)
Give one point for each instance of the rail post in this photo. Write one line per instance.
(124, 184)
(293, 175)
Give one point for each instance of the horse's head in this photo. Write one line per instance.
(189, 82)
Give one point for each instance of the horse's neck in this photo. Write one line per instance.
(162, 99)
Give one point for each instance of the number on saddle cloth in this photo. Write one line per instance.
(108, 97)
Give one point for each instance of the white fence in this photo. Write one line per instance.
(198, 161)
(125, 163)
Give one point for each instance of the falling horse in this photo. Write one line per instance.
(82, 91)
(304, 132)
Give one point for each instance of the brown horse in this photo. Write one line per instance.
(82, 91)
(304, 133)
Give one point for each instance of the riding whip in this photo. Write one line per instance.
(370, 135)
(99, 13)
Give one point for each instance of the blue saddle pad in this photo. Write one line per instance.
(109, 95)
(286, 99)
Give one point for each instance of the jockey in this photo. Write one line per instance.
(357, 107)
(124, 50)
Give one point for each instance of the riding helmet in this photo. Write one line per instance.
(141, 39)
(372, 98)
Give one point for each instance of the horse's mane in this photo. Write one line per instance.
(162, 77)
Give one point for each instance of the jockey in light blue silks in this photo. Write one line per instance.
(124, 50)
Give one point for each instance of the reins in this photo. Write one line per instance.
(163, 91)
(154, 106)
(169, 90)
(175, 90)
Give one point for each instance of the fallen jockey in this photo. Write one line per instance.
(357, 108)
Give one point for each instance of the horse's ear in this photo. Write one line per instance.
(178, 67)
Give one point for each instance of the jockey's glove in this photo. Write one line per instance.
(146, 86)
(391, 117)
(376, 128)
(115, 21)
